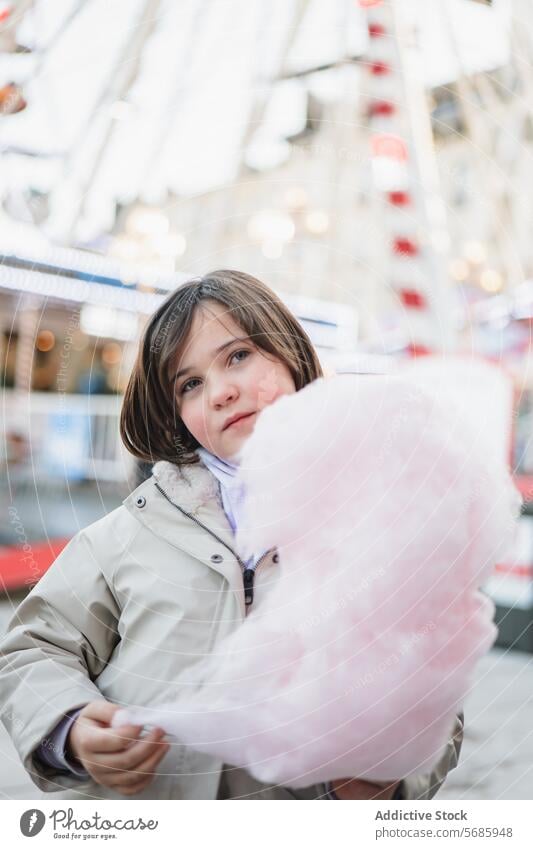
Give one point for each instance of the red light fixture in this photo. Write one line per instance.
(405, 247)
(376, 30)
(381, 108)
(418, 350)
(413, 299)
(389, 145)
(380, 69)
(399, 198)
(11, 99)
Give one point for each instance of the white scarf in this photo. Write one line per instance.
(232, 491)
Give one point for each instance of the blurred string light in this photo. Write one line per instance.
(272, 229)
(475, 252)
(147, 235)
(45, 341)
(111, 353)
(317, 222)
(459, 270)
(296, 198)
(491, 280)
(146, 221)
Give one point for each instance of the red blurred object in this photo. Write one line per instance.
(418, 350)
(412, 298)
(376, 30)
(367, 4)
(387, 144)
(399, 198)
(405, 247)
(11, 99)
(379, 69)
(524, 484)
(514, 569)
(381, 108)
(5, 11)
(20, 568)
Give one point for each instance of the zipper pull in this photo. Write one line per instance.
(248, 582)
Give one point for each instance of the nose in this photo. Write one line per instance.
(222, 393)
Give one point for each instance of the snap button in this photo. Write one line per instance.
(140, 501)
(275, 558)
(216, 558)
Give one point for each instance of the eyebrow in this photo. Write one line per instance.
(213, 353)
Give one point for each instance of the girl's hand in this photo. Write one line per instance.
(356, 788)
(115, 757)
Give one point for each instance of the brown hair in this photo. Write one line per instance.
(150, 425)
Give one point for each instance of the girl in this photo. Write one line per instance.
(140, 595)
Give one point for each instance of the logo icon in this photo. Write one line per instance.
(32, 822)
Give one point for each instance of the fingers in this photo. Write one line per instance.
(133, 757)
(102, 711)
(144, 770)
(115, 757)
(136, 779)
(109, 740)
(136, 788)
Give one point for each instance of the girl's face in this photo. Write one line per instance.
(222, 375)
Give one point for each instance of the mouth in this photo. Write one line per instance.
(238, 421)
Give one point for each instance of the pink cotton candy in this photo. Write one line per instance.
(354, 660)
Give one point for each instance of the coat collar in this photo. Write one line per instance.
(192, 487)
(182, 505)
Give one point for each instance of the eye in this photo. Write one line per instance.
(186, 384)
(240, 351)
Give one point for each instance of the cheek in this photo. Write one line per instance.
(273, 380)
(193, 417)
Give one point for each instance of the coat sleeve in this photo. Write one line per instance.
(57, 643)
(427, 785)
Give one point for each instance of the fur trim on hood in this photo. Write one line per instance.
(190, 486)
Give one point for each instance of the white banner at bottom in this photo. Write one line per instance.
(268, 824)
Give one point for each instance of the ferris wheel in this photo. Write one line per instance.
(145, 103)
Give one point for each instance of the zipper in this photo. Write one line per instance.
(248, 577)
(247, 574)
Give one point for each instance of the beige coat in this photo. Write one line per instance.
(131, 602)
